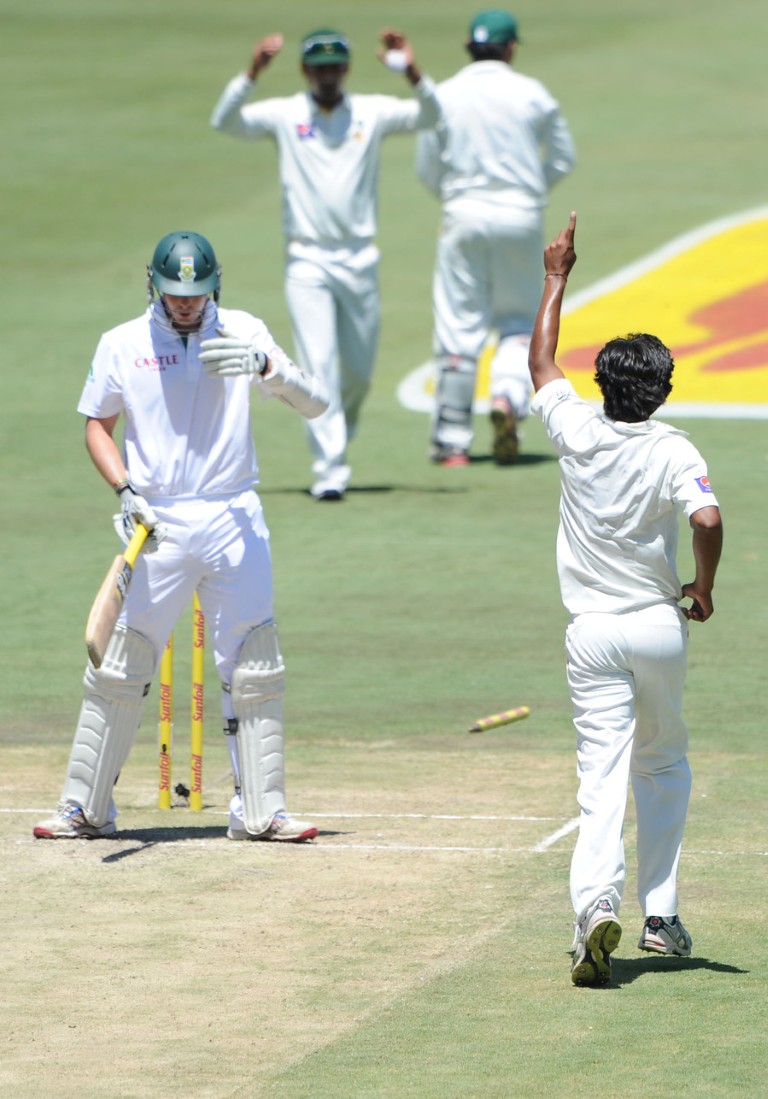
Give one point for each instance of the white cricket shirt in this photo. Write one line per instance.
(503, 140)
(623, 487)
(329, 159)
(187, 435)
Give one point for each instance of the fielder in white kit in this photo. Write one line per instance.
(329, 146)
(501, 145)
(181, 375)
(625, 480)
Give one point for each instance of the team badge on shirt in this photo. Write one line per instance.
(703, 483)
(187, 268)
(304, 130)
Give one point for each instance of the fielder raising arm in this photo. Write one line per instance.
(559, 259)
(329, 142)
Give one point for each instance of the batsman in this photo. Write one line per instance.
(181, 376)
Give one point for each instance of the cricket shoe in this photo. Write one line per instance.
(665, 935)
(597, 936)
(448, 456)
(69, 823)
(332, 485)
(505, 444)
(327, 494)
(284, 828)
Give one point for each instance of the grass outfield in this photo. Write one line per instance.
(419, 947)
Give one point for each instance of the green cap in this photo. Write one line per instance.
(325, 47)
(493, 28)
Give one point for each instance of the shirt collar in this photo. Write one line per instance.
(316, 110)
(159, 317)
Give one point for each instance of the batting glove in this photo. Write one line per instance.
(134, 510)
(228, 356)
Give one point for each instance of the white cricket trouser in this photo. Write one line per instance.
(626, 673)
(488, 275)
(333, 301)
(219, 548)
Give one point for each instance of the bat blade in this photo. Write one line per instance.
(110, 598)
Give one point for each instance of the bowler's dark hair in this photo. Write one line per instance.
(487, 51)
(634, 375)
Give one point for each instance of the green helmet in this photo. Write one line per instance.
(184, 264)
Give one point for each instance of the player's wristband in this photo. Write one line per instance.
(121, 486)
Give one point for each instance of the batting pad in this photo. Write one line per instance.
(258, 687)
(452, 422)
(109, 718)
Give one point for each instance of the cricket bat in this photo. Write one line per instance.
(111, 596)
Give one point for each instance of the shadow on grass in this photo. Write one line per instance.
(366, 490)
(626, 970)
(141, 839)
(427, 490)
(522, 460)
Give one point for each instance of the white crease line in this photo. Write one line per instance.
(414, 847)
(412, 816)
(329, 845)
(327, 816)
(726, 854)
(571, 826)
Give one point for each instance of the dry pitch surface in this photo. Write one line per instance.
(170, 953)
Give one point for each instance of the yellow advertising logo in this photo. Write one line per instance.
(705, 294)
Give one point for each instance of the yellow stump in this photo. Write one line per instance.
(495, 720)
(166, 725)
(196, 727)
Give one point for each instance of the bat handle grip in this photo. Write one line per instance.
(133, 548)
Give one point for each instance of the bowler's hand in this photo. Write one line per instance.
(559, 256)
(701, 608)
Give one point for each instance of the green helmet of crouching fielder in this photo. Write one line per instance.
(184, 264)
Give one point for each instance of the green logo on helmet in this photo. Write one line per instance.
(187, 268)
(184, 264)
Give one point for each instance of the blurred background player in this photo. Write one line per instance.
(328, 145)
(501, 145)
(625, 480)
(186, 469)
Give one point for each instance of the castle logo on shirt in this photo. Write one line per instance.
(156, 363)
(703, 483)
